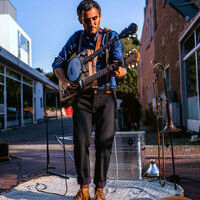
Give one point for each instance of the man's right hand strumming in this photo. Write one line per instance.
(65, 84)
(69, 86)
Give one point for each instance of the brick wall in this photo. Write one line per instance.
(145, 68)
(163, 48)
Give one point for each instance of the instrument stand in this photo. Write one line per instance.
(173, 178)
(48, 168)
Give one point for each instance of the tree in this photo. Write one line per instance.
(127, 90)
(40, 70)
(128, 85)
(130, 43)
(52, 77)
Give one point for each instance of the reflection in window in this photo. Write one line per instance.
(13, 89)
(1, 79)
(167, 78)
(189, 44)
(1, 69)
(13, 74)
(192, 99)
(198, 64)
(198, 35)
(2, 107)
(24, 43)
(27, 80)
(27, 104)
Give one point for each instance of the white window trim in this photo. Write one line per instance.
(22, 101)
(191, 52)
(189, 28)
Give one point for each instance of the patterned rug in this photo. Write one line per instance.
(54, 188)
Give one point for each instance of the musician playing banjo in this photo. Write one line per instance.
(97, 104)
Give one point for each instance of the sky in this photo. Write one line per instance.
(50, 23)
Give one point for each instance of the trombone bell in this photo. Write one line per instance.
(170, 128)
(153, 170)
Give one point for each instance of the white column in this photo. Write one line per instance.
(34, 103)
(22, 106)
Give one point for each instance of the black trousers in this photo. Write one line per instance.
(90, 109)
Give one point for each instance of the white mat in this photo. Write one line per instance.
(115, 190)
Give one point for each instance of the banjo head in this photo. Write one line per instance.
(74, 69)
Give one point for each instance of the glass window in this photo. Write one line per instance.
(198, 35)
(13, 89)
(1, 97)
(1, 69)
(191, 85)
(13, 74)
(198, 64)
(2, 107)
(167, 77)
(155, 14)
(189, 44)
(27, 80)
(28, 104)
(24, 43)
(1, 79)
(41, 104)
(34, 88)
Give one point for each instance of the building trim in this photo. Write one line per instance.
(191, 52)
(189, 28)
(20, 66)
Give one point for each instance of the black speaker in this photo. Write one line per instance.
(4, 151)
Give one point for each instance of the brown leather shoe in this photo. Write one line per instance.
(83, 193)
(99, 195)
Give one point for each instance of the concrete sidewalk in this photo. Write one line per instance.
(37, 132)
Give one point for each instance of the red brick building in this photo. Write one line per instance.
(171, 36)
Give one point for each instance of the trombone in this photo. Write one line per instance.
(169, 126)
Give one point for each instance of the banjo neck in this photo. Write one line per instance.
(99, 74)
(132, 29)
(96, 53)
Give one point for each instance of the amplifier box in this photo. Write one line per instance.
(127, 156)
(4, 151)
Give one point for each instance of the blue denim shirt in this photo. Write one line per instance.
(115, 52)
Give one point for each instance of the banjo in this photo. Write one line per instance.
(78, 73)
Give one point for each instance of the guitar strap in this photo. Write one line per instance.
(93, 62)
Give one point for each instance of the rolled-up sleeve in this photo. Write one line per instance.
(67, 51)
(117, 54)
(116, 48)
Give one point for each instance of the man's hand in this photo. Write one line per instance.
(112, 68)
(63, 82)
(69, 86)
(120, 73)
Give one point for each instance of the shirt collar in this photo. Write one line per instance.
(87, 36)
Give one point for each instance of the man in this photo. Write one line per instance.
(95, 105)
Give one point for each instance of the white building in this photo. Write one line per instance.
(22, 88)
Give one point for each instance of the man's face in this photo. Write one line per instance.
(90, 20)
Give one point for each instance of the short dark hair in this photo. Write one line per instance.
(86, 5)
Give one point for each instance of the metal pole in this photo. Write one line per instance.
(173, 164)
(47, 132)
